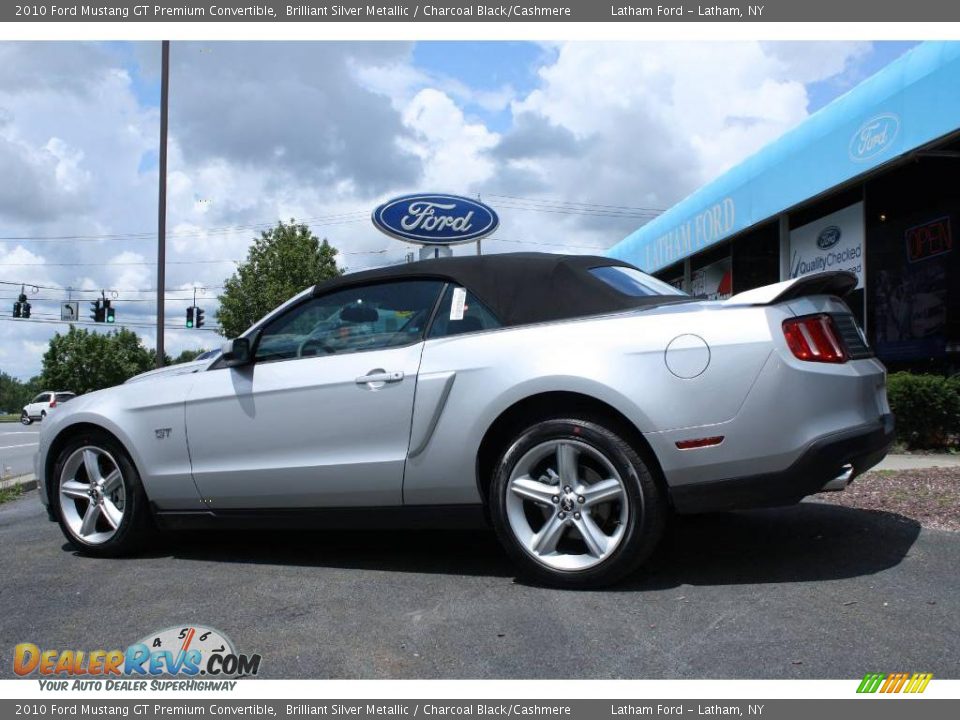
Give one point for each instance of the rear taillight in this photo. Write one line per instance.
(814, 338)
(53, 403)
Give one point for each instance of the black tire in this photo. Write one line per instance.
(43, 415)
(137, 523)
(25, 419)
(647, 506)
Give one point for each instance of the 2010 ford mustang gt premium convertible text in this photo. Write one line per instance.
(572, 401)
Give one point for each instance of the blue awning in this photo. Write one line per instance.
(908, 104)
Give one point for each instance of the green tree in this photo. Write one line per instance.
(82, 361)
(282, 261)
(14, 393)
(186, 356)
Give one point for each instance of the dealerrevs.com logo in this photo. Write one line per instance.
(198, 657)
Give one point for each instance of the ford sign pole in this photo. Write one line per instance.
(435, 221)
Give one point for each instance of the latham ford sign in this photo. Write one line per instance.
(435, 219)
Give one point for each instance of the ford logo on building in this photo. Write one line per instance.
(828, 237)
(435, 219)
(874, 136)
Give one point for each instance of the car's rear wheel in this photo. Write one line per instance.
(575, 505)
(98, 498)
(43, 415)
(25, 419)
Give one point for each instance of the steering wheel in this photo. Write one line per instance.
(319, 341)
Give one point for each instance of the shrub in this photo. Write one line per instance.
(927, 408)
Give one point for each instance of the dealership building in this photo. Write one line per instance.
(870, 184)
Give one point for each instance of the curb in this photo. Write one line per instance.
(27, 481)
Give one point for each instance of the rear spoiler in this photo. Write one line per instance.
(838, 283)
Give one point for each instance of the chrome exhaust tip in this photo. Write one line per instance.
(841, 481)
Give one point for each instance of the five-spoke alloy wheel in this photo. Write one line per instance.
(575, 504)
(97, 497)
(92, 495)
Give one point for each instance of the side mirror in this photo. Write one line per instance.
(236, 352)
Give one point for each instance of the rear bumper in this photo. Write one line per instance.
(823, 460)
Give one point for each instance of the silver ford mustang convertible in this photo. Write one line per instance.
(573, 402)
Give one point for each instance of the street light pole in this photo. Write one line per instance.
(162, 205)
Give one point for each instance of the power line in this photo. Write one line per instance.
(115, 264)
(199, 288)
(34, 298)
(149, 325)
(168, 262)
(321, 221)
(558, 210)
(515, 202)
(498, 238)
(578, 204)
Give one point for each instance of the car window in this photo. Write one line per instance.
(633, 282)
(63, 397)
(42, 397)
(367, 317)
(460, 312)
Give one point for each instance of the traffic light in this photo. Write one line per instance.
(21, 308)
(97, 312)
(109, 312)
(189, 323)
(198, 315)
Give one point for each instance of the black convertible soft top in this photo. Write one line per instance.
(519, 288)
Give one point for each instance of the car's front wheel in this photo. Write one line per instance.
(97, 496)
(575, 505)
(25, 419)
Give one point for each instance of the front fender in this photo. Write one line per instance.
(148, 420)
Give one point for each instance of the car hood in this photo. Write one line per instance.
(170, 370)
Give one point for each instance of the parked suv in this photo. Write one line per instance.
(43, 404)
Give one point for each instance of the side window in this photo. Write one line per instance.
(460, 312)
(42, 397)
(367, 317)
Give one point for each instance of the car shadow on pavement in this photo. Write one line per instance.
(451, 552)
(807, 542)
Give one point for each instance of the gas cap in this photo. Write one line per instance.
(687, 356)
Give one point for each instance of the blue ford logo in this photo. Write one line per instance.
(874, 136)
(435, 219)
(828, 237)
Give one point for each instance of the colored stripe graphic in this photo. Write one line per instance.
(894, 682)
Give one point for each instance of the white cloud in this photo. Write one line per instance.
(450, 147)
(323, 131)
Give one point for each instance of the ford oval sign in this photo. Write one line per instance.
(828, 237)
(435, 219)
(874, 136)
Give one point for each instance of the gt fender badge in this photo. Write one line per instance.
(162, 433)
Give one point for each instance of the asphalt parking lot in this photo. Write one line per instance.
(18, 444)
(813, 591)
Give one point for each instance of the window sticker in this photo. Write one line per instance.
(457, 305)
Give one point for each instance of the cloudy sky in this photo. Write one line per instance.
(574, 144)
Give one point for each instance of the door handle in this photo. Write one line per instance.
(379, 378)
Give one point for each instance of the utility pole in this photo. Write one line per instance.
(162, 205)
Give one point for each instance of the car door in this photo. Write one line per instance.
(38, 405)
(321, 417)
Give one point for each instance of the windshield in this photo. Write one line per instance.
(631, 281)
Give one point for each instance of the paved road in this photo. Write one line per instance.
(806, 592)
(18, 443)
